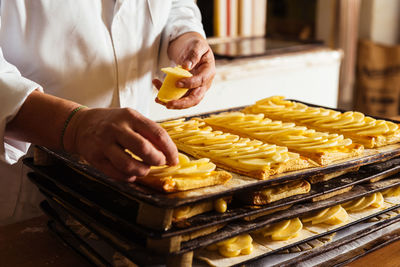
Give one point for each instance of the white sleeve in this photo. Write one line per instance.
(14, 89)
(184, 17)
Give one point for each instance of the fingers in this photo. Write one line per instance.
(195, 53)
(157, 137)
(193, 98)
(104, 134)
(124, 163)
(141, 147)
(203, 72)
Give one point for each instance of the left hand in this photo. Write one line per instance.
(192, 52)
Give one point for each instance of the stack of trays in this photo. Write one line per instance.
(114, 223)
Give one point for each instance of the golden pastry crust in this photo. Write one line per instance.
(242, 155)
(255, 216)
(202, 232)
(276, 192)
(323, 148)
(326, 177)
(188, 211)
(332, 194)
(360, 128)
(171, 184)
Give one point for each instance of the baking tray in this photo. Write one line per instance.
(136, 253)
(238, 183)
(109, 202)
(71, 240)
(348, 237)
(67, 234)
(128, 231)
(376, 226)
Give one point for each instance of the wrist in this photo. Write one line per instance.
(72, 125)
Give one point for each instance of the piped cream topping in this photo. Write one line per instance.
(352, 122)
(230, 149)
(286, 134)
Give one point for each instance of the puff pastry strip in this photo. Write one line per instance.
(360, 128)
(324, 148)
(276, 192)
(184, 176)
(242, 155)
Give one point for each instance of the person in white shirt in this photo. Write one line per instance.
(57, 56)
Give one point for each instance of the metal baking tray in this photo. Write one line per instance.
(238, 183)
(55, 214)
(67, 236)
(70, 239)
(136, 253)
(129, 231)
(107, 201)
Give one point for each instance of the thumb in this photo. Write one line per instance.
(192, 58)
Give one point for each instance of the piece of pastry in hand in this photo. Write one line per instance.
(188, 174)
(242, 155)
(354, 125)
(276, 192)
(168, 90)
(323, 148)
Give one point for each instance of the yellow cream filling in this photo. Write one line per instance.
(185, 168)
(233, 247)
(220, 205)
(285, 134)
(283, 230)
(392, 192)
(241, 153)
(333, 215)
(352, 122)
(374, 200)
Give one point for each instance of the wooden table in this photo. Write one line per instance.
(31, 244)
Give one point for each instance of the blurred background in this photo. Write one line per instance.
(335, 53)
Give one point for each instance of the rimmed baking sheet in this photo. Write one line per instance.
(238, 183)
(130, 231)
(107, 201)
(352, 235)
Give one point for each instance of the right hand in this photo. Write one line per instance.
(101, 135)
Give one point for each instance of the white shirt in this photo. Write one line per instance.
(99, 53)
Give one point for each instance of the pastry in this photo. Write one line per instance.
(276, 192)
(333, 216)
(354, 125)
(374, 200)
(263, 213)
(188, 174)
(168, 90)
(235, 246)
(242, 155)
(323, 148)
(219, 205)
(283, 230)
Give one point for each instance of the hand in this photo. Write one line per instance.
(101, 135)
(192, 52)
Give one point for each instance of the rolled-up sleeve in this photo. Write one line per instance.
(14, 89)
(184, 17)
